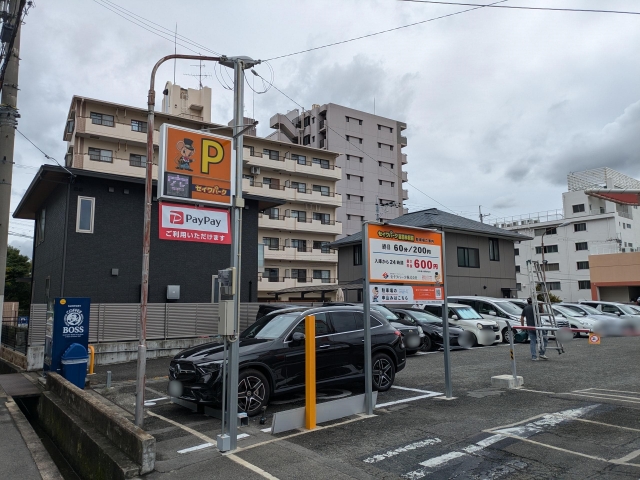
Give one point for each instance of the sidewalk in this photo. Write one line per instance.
(19, 444)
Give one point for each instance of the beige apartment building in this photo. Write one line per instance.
(299, 181)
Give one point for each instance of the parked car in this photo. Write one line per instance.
(502, 310)
(484, 332)
(267, 308)
(614, 308)
(432, 327)
(609, 324)
(576, 319)
(272, 358)
(518, 302)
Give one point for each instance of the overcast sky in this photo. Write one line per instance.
(500, 104)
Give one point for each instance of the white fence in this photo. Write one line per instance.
(114, 322)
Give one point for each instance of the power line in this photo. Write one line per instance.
(14, 234)
(368, 35)
(48, 157)
(584, 10)
(358, 148)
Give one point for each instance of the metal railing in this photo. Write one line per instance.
(299, 219)
(529, 219)
(14, 335)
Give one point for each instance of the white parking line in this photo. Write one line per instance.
(398, 451)
(197, 447)
(413, 389)
(410, 399)
(242, 435)
(600, 397)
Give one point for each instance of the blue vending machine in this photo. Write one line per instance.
(67, 323)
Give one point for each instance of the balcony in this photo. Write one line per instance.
(300, 254)
(402, 141)
(404, 177)
(290, 165)
(323, 143)
(273, 284)
(120, 132)
(404, 159)
(283, 124)
(291, 194)
(405, 194)
(295, 225)
(113, 165)
(323, 125)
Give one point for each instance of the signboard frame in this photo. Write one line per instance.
(189, 176)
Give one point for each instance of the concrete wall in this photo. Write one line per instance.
(117, 243)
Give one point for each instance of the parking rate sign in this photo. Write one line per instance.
(404, 255)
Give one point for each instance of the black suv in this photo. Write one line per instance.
(272, 358)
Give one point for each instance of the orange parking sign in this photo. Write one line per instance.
(594, 339)
(194, 166)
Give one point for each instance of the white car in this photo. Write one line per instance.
(576, 319)
(480, 331)
(500, 310)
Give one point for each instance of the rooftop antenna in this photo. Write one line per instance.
(175, 52)
(374, 105)
(200, 75)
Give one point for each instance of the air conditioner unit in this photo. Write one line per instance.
(255, 170)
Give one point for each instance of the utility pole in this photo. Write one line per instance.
(377, 209)
(482, 216)
(8, 123)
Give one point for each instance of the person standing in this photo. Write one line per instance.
(528, 314)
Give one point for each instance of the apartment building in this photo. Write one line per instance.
(566, 238)
(371, 158)
(295, 185)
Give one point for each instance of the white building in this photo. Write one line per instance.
(585, 226)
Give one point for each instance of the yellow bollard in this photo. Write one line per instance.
(92, 359)
(310, 372)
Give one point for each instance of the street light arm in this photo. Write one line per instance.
(170, 57)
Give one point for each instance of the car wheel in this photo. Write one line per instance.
(384, 372)
(575, 334)
(253, 392)
(427, 345)
(505, 335)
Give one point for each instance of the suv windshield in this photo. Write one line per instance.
(385, 312)
(467, 313)
(628, 310)
(583, 309)
(568, 312)
(426, 317)
(510, 308)
(271, 326)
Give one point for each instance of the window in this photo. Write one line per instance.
(301, 187)
(584, 284)
(325, 218)
(583, 265)
(138, 126)
(307, 121)
(343, 321)
(324, 190)
(272, 154)
(494, 249)
(137, 160)
(306, 140)
(554, 286)
(357, 254)
(299, 245)
(300, 274)
(519, 287)
(41, 223)
(550, 231)
(579, 227)
(102, 119)
(100, 155)
(299, 159)
(273, 274)
(547, 249)
(322, 246)
(301, 215)
(250, 178)
(322, 162)
(468, 257)
(274, 183)
(84, 216)
(348, 217)
(517, 268)
(578, 208)
(551, 267)
(628, 225)
(323, 275)
(516, 251)
(582, 246)
(271, 243)
(273, 213)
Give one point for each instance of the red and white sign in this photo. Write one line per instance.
(404, 294)
(186, 223)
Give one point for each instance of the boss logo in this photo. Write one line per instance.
(73, 320)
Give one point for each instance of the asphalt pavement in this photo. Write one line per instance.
(577, 416)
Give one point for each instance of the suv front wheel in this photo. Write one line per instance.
(384, 372)
(253, 392)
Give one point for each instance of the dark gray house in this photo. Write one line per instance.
(480, 258)
(105, 262)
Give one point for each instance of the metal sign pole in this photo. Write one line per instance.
(368, 370)
(445, 325)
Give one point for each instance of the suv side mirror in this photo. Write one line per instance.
(618, 313)
(454, 317)
(492, 312)
(297, 337)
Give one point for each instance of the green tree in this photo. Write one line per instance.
(553, 298)
(18, 267)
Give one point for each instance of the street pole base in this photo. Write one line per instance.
(507, 381)
(224, 443)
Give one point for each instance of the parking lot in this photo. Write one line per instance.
(577, 416)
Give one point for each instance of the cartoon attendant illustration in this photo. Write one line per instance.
(375, 294)
(186, 152)
(437, 278)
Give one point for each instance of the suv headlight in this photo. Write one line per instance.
(480, 327)
(209, 367)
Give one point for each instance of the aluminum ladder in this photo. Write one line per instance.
(538, 286)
